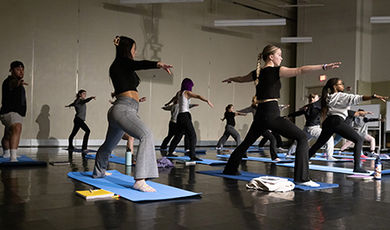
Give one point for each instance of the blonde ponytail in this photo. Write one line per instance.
(258, 67)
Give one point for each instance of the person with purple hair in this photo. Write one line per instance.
(184, 121)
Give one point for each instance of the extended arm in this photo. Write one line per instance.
(240, 79)
(193, 95)
(292, 72)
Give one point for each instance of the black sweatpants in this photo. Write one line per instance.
(335, 124)
(77, 124)
(268, 117)
(185, 127)
(172, 131)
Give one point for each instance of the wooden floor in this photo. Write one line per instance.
(44, 198)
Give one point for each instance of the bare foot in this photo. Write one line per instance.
(108, 173)
(141, 185)
(276, 159)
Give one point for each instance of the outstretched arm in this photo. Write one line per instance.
(375, 96)
(292, 72)
(193, 95)
(239, 114)
(241, 79)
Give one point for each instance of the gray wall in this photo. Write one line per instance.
(67, 45)
(341, 32)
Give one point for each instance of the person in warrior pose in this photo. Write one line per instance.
(123, 115)
(335, 105)
(268, 112)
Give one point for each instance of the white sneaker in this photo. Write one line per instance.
(6, 155)
(309, 183)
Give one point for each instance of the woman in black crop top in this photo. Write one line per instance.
(268, 113)
(123, 117)
(229, 128)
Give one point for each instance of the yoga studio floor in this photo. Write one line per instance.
(44, 198)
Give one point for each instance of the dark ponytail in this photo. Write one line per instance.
(326, 90)
(226, 110)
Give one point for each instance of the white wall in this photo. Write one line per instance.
(68, 46)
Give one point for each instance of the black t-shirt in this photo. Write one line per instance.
(123, 76)
(13, 97)
(229, 116)
(312, 113)
(269, 83)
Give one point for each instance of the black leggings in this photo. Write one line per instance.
(185, 127)
(272, 143)
(77, 124)
(275, 136)
(335, 124)
(172, 131)
(268, 117)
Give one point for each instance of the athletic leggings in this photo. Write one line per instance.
(123, 118)
(276, 137)
(229, 131)
(172, 131)
(185, 127)
(268, 117)
(335, 124)
(77, 124)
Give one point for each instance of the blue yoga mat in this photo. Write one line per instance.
(121, 185)
(247, 176)
(261, 159)
(326, 168)
(113, 159)
(318, 158)
(204, 161)
(22, 161)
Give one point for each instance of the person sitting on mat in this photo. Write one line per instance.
(361, 127)
(184, 120)
(229, 128)
(13, 109)
(312, 129)
(334, 105)
(123, 115)
(79, 119)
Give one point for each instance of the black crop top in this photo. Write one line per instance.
(123, 75)
(229, 116)
(269, 83)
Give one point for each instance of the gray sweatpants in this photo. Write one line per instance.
(123, 118)
(229, 130)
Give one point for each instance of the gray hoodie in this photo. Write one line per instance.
(339, 103)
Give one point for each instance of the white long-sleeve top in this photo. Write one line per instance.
(339, 103)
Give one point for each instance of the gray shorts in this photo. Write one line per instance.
(11, 118)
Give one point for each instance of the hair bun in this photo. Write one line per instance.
(116, 40)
